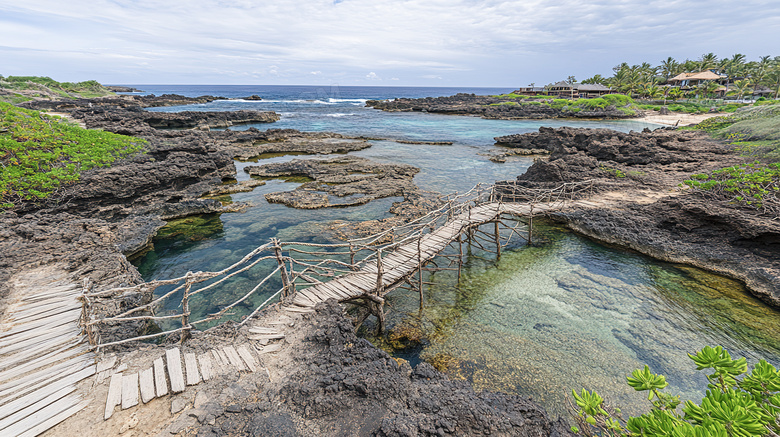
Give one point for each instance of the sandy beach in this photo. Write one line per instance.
(677, 119)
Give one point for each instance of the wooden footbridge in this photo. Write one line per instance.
(37, 385)
(360, 271)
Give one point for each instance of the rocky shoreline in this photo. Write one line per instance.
(339, 384)
(492, 108)
(675, 225)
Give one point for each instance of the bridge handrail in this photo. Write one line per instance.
(455, 206)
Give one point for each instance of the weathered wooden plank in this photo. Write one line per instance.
(146, 381)
(106, 363)
(206, 369)
(235, 360)
(53, 385)
(114, 395)
(51, 396)
(266, 337)
(271, 348)
(14, 381)
(220, 366)
(191, 369)
(24, 330)
(263, 330)
(225, 361)
(43, 337)
(54, 419)
(160, 383)
(245, 355)
(129, 390)
(173, 360)
(41, 416)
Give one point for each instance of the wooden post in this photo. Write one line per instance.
(460, 255)
(498, 241)
(419, 270)
(352, 256)
(292, 276)
(280, 261)
(185, 309)
(530, 225)
(379, 285)
(380, 316)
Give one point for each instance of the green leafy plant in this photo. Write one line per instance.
(731, 407)
(40, 153)
(754, 184)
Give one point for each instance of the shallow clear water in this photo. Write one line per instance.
(571, 313)
(567, 314)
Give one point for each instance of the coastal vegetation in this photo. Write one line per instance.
(621, 102)
(40, 153)
(731, 407)
(742, 77)
(17, 89)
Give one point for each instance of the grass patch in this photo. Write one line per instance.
(47, 85)
(505, 104)
(39, 153)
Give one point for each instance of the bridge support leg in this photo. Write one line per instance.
(460, 255)
(530, 228)
(498, 241)
(380, 316)
(419, 272)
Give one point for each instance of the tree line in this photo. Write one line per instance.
(740, 76)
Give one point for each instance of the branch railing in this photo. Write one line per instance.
(300, 264)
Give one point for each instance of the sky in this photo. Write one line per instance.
(370, 42)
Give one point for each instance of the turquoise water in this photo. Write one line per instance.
(571, 313)
(566, 314)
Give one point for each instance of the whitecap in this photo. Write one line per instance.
(346, 100)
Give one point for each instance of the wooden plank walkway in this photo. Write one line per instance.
(42, 355)
(404, 261)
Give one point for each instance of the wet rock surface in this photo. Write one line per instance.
(342, 181)
(336, 384)
(682, 226)
(488, 107)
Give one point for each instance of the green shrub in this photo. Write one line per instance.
(731, 407)
(618, 99)
(40, 153)
(756, 185)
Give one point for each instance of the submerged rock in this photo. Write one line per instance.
(351, 180)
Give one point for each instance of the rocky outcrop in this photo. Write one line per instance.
(343, 181)
(663, 157)
(147, 101)
(335, 383)
(490, 107)
(682, 226)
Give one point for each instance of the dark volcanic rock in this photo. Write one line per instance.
(342, 385)
(672, 225)
(489, 107)
(354, 180)
(660, 157)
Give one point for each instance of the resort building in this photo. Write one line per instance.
(690, 80)
(578, 90)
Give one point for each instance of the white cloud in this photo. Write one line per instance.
(468, 42)
(373, 76)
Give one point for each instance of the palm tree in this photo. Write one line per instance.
(669, 67)
(707, 61)
(733, 67)
(742, 87)
(675, 93)
(596, 79)
(773, 79)
(759, 70)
